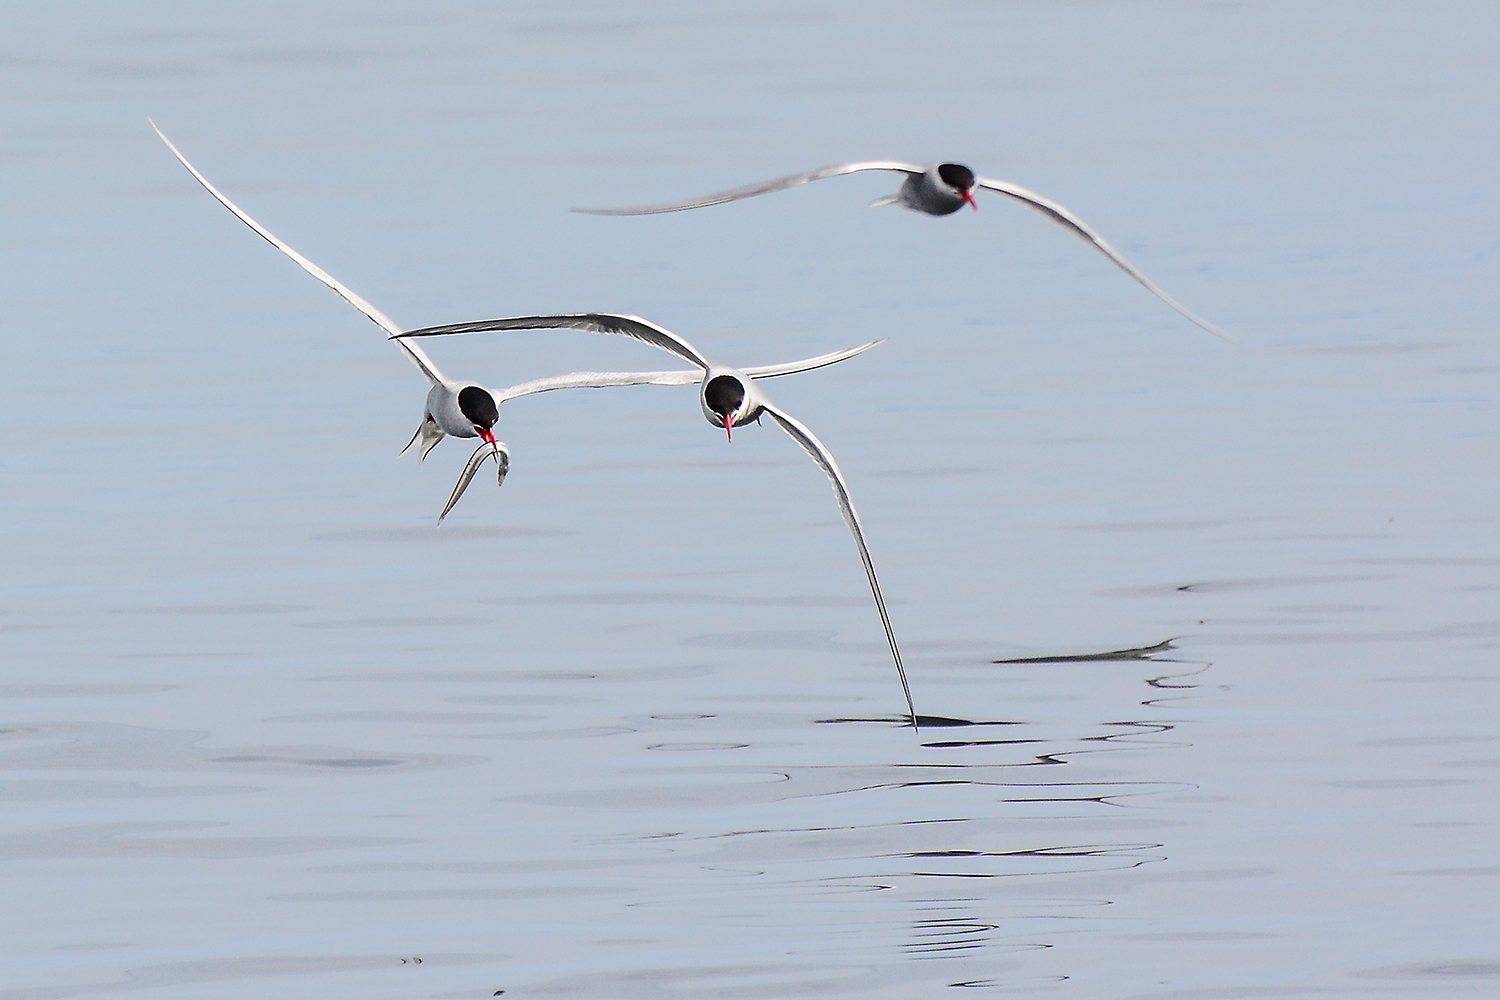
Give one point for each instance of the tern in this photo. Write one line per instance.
(941, 189)
(460, 409)
(729, 397)
(467, 409)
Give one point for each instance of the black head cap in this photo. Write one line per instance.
(479, 406)
(724, 394)
(956, 176)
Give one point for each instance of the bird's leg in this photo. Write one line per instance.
(429, 433)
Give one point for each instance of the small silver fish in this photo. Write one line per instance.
(502, 460)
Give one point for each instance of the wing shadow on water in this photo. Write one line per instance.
(1135, 653)
(954, 871)
(1150, 654)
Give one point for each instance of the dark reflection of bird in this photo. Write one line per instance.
(729, 397)
(941, 189)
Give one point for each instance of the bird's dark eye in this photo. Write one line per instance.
(956, 175)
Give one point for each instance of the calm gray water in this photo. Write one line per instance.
(627, 727)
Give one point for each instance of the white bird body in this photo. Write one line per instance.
(442, 405)
(443, 416)
(729, 397)
(939, 189)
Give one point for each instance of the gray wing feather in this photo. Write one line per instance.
(619, 324)
(481, 453)
(1061, 215)
(821, 361)
(597, 380)
(380, 319)
(762, 187)
(824, 458)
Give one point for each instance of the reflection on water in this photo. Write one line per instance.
(943, 886)
(1136, 653)
(918, 859)
(831, 856)
(940, 885)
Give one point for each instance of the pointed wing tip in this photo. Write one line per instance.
(1205, 325)
(162, 136)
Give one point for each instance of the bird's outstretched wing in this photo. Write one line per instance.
(596, 380)
(821, 361)
(619, 324)
(602, 380)
(575, 380)
(412, 351)
(484, 451)
(763, 187)
(1062, 216)
(824, 458)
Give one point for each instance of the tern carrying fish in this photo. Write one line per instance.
(467, 409)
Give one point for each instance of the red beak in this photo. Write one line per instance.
(969, 197)
(488, 436)
(728, 426)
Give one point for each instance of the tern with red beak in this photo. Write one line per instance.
(467, 409)
(729, 397)
(941, 189)
(459, 409)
